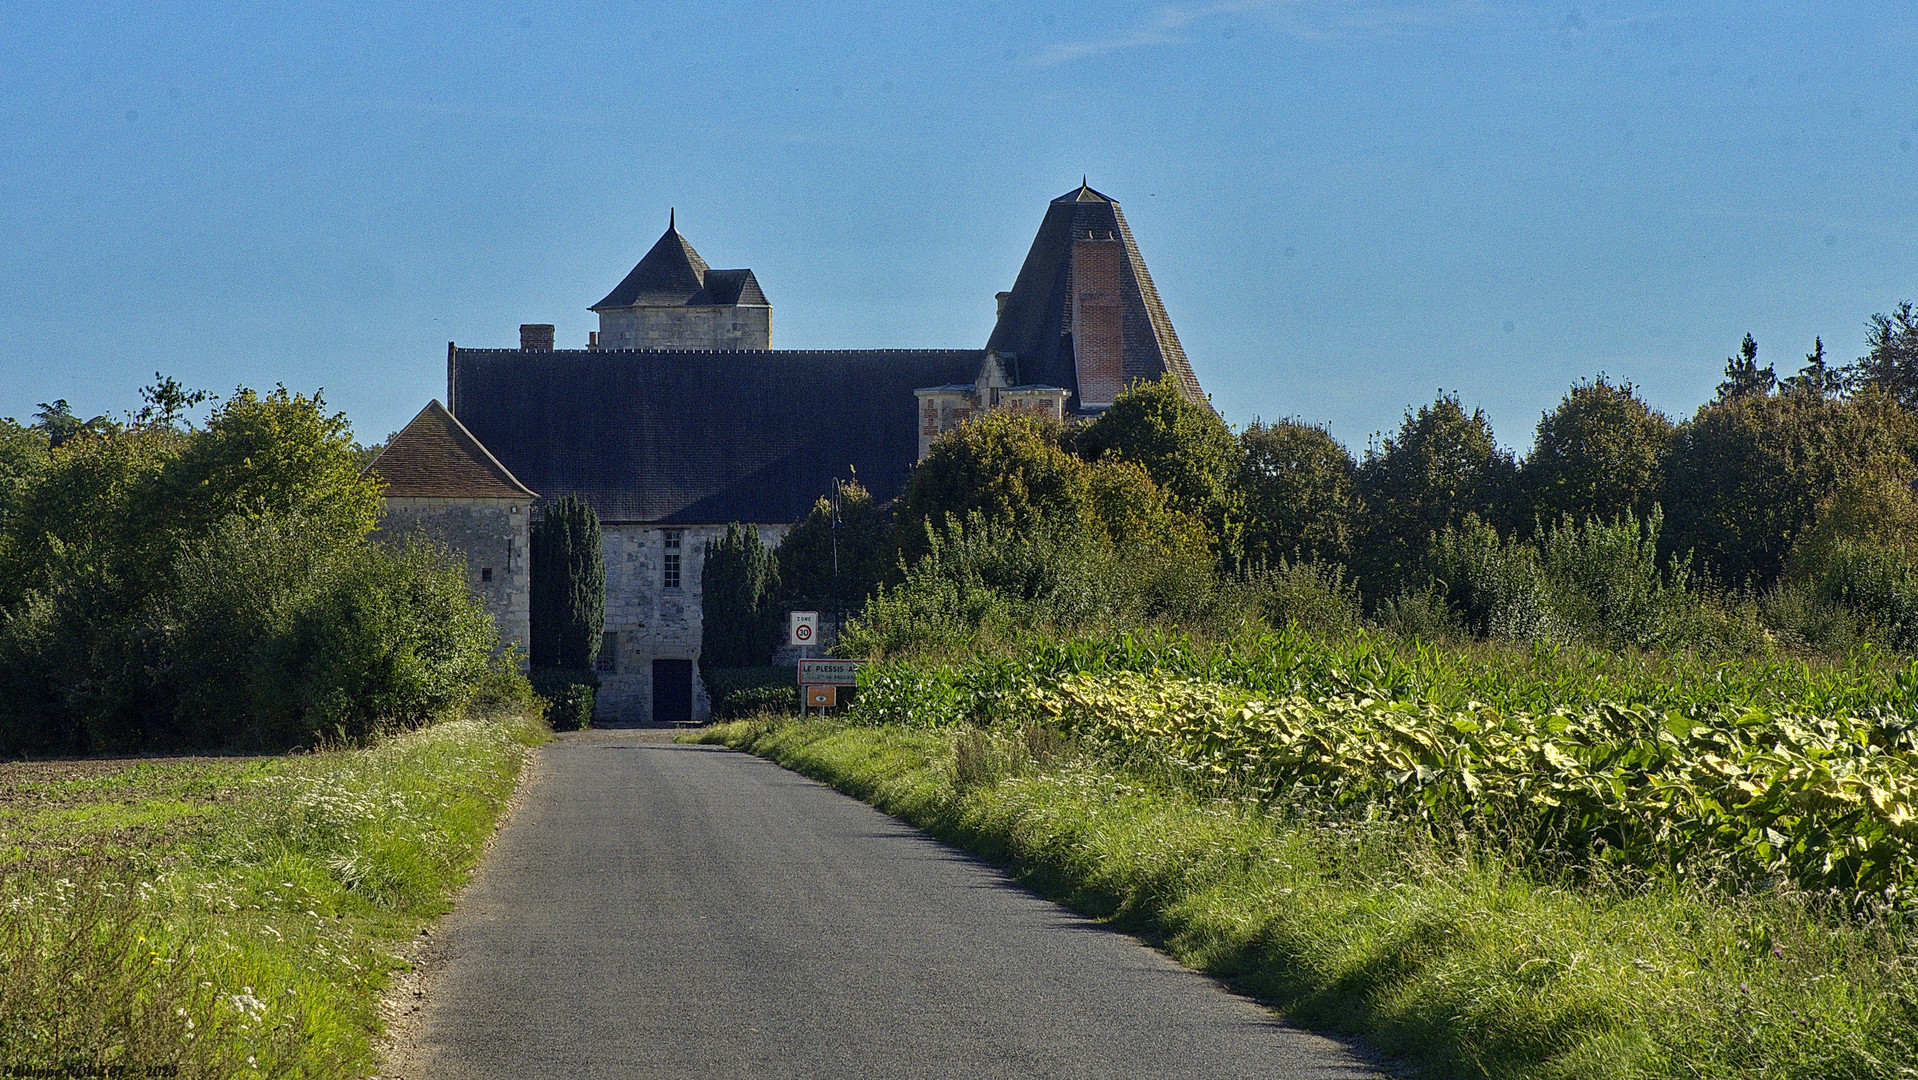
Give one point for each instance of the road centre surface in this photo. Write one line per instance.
(660, 910)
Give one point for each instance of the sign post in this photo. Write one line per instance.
(802, 630)
(820, 680)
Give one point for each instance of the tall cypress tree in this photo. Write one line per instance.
(568, 586)
(739, 601)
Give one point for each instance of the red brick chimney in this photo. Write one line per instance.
(1098, 342)
(536, 337)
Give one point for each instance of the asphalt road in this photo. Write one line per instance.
(656, 910)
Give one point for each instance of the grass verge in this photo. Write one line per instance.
(1437, 954)
(220, 917)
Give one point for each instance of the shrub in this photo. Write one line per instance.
(1494, 585)
(1420, 615)
(1313, 596)
(1605, 581)
(505, 691)
(568, 586)
(981, 579)
(569, 694)
(755, 700)
(387, 637)
(213, 588)
(741, 692)
(1860, 559)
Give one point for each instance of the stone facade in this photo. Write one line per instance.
(653, 613)
(679, 412)
(686, 327)
(493, 537)
(944, 408)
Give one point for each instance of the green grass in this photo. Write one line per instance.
(233, 916)
(1434, 952)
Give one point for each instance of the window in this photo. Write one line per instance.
(608, 661)
(486, 573)
(669, 567)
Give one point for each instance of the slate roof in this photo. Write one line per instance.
(436, 457)
(1034, 327)
(673, 274)
(701, 437)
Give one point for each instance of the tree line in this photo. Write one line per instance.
(1780, 514)
(165, 584)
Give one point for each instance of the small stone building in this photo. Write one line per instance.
(441, 482)
(679, 418)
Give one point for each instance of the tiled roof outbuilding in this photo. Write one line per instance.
(435, 457)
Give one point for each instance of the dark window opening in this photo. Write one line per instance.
(486, 573)
(608, 653)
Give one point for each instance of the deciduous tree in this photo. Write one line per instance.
(1442, 465)
(1745, 475)
(1595, 456)
(1299, 487)
(1183, 445)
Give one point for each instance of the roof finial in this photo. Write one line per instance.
(672, 219)
(1082, 180)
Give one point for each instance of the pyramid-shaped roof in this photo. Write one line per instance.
(1035, 325)
(435, 457)
(673, 274)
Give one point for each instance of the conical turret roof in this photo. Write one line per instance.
(671, 273)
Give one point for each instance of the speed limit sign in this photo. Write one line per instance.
(804, 629)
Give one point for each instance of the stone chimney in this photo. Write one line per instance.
(536, 337)
(1001, 297)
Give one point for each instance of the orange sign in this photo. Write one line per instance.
(824, 697)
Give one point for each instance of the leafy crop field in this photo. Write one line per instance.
(1760, 772)
(226, 917)
(1491, 861)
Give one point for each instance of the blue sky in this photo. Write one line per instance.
(1346, 205)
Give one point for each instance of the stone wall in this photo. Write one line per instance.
(682, 327)
(943, 409)
(648, 620)
(492, 535)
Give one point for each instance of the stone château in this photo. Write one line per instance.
(678, 418)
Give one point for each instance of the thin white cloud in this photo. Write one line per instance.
(1299, 18)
